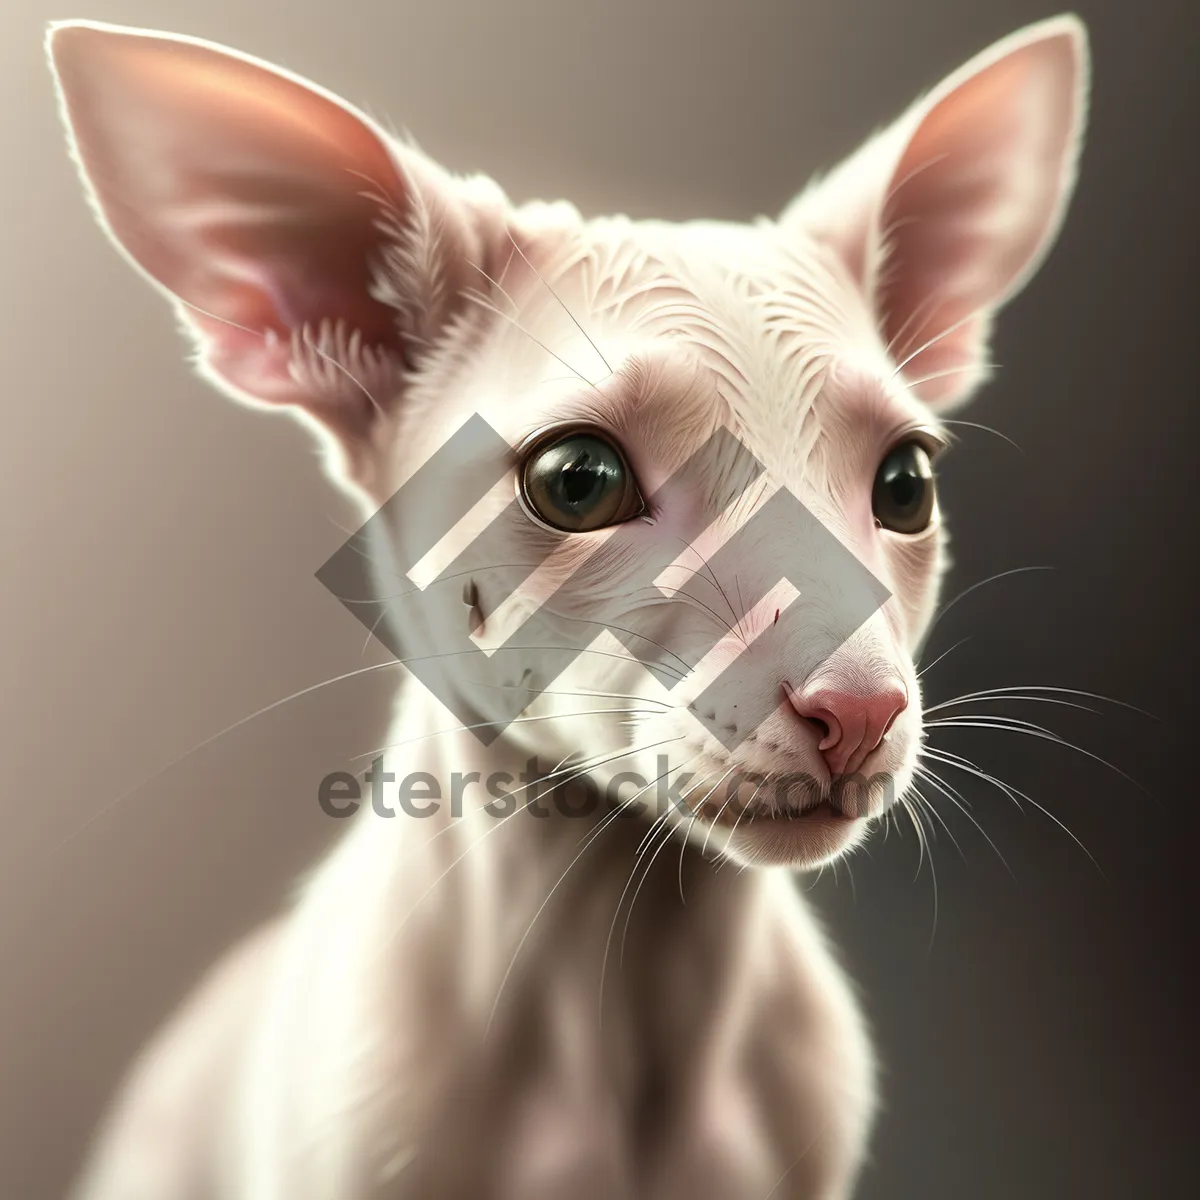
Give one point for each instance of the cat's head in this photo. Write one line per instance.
(714, 439)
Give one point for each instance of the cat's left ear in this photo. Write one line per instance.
(314, 258)
(946, 214)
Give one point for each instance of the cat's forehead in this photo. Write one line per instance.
(671, 329)
(733, 279)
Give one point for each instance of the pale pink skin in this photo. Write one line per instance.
(426, 1020)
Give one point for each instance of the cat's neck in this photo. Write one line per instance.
(529, 891)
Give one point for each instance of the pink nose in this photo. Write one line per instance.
(852, 723)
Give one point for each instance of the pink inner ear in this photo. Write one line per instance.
(976, 199)
(255, 200)
(943, 216)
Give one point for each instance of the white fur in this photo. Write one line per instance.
(472, 1006)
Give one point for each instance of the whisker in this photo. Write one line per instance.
(671, 671)
(594, 712)
(737, 583)
(821, 1132)
(666, 704)
(565, 774)
(964, 764)
(974, 587)
(920, 836)
(297, 695)
(503, 821)
(1014, 725)
(638, 854)
(933, 341)
(557, 297)
(1013, 692)
(352, 540)
(944, 653)
(484, 302)
(688, 667)
(305, 339)
(665, 841)
(721, 812)
(977, 702)
(925, 851)
(686, 597)
(919, 313)
(337, 366)
(932, 875)
(749, 805)
(383, 612)
(934, 814)
(414, 589)
(595, 833)
(959, 370)
(959, 801)
(986, 428)
(695, 816)
(208, 741)
(712, 575)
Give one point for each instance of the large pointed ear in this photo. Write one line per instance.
(943, 216)
(314, 258)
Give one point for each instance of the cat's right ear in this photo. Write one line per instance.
(943, 216)
(313, 257)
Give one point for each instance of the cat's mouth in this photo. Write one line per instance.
(828, 812)
(800, 835)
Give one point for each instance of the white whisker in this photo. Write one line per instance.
(956, 798)
(964, 764)
(595, 833)
(1029, 729)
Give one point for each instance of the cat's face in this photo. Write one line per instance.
(757, 330)
(730, 666)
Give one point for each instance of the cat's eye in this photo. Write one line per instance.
(579, 481)
(902, 497)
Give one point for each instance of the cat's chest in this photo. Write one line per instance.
(573, 1111)
(699, 1069)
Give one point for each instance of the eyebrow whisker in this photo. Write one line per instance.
(562, 303)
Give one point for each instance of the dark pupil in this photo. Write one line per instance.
(581, 479)
(577, 484)
(903, 492)
(906, 489)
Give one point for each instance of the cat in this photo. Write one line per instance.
(481, 1003)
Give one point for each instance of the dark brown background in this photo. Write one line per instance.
(159, 547)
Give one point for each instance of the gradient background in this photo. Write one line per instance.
(159, 546)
